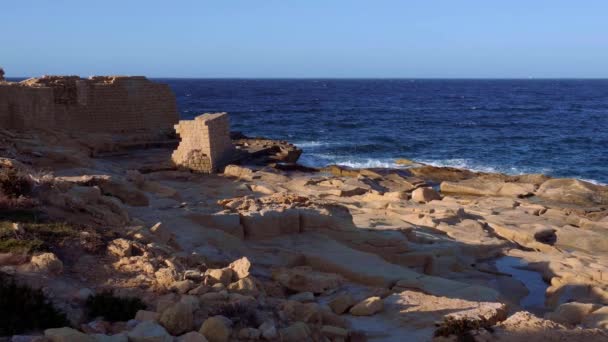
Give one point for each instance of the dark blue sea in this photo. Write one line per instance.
(556, 127)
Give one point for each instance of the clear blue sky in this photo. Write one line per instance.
(306, 38)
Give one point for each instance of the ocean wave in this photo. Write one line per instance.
(321, 160)
(369, 163)
(307, 144)
(592, 181)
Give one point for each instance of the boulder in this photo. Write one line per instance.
(241, 267)
(220, 275)
(424, 195)
(145, 315)
(571, 313)
(239, 172)
(332, 332)
(303, 297)
(110, 338)
(249, 334)
(183, 286)
(192, 336)
(244, 286)
(149, 331)
(177, 319)
(47, 262)
(66, 334)
(367, 307)
(268, 330)
(217, 329)
(162, 233)
(297, 332)
(165, 277)
(341, 303)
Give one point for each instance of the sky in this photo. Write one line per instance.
(307, 38)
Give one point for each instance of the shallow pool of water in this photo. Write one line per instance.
(535, 300)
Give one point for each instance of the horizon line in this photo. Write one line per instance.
(328, 78)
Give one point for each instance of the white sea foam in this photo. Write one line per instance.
(321, 159)
(307, 144)
(592, 181)
(368, 163)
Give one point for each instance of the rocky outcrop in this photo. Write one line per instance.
(573, 191)
(483, 186)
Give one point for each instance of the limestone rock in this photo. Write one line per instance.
(124, 191)
(192, 336)
(144, 315)
(66, 334)
(303, 297)
(487, 186)
(241, 267)
(183, 286)
(304, 279)
(177, 319)
(597, 319)
(220, 275)
(244, 286)
(368, 307)
(165, 277)
(334, 332)
(120, 248)
(573, 191)
(163, 233)
(571, 313)
(47, 262)
(297, 332)
(249, 334)
(149, 331)
(111, 338)
(268, 330)
(217, 329)
(341, 303)
(239, 172)
(424, 195)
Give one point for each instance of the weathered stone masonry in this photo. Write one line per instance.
(102, 104)
(206, 145)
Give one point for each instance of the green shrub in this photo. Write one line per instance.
(113, 308)
(23, 309)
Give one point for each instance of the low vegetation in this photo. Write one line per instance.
(21, 233)
(462, 328)
(23, 309)
(113, 308)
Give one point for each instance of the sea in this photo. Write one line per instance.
(554, 127)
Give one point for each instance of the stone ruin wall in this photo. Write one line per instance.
(205, 143)
(97, 104)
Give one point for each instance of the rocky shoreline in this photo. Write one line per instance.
(269, 250)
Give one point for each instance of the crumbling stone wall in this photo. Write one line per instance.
(103, 104)
(205, 143)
